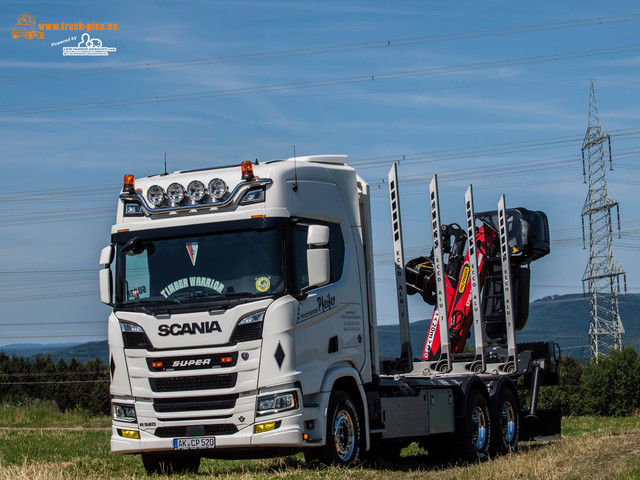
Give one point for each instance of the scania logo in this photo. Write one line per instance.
(189, 328)
(201, 362)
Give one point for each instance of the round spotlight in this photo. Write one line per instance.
(196, 191)
(217, 188)
(175, 193)
(155, 195)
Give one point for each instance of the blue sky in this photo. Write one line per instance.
(489, 92)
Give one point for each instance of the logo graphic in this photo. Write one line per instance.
(263, 284)
(25, 27)
(88, 47)
(192, 248)
(463, 279)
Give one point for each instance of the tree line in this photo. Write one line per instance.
(71, 386)
(608, 387)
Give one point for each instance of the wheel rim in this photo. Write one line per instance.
(508, 422)
(343, 435)
(479, 422)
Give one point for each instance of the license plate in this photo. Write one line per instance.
(195, 443)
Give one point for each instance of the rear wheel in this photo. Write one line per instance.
(344, 434)
(474, 439)
(506, 422)
(166, 463)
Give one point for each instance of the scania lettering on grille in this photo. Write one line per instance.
(201, 362)
(189, 328)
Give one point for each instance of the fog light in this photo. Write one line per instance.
(265, 427)
(129, 433)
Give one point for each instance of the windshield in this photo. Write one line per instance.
(200, 267)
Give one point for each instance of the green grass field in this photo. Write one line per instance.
(39, 443)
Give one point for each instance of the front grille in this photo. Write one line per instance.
(247, 332)
(193, 404)
(192, 362)
(200, 382)
(195, 430)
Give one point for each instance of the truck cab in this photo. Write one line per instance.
(240, 297)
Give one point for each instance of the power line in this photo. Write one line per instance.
(319, 83)
(326, 49)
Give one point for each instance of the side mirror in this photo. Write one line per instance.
(318, 259)
(105, 279)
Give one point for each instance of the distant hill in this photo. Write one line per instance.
(81, 352)
(563, 319)
(30, 349)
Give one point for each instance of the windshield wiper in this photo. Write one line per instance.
(146, 301)
(227, 294)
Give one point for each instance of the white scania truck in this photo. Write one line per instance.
(244, 322)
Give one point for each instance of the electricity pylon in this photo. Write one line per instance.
(603, 272)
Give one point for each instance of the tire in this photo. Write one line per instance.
(166, 463)
(506, 422)
(474, 438)
(344, 445)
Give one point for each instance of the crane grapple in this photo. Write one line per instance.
(527, 232)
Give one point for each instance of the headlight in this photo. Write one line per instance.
(155, 195)
(134, 336)
(217, 188)
(248, 328)
(280, 402)
(124, 413)
(131, 328)
(253, 196)
(175, 193)
(252, 318)
(196, 191)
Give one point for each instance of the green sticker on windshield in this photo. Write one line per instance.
(263, 284)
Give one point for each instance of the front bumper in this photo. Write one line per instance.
(288, 434)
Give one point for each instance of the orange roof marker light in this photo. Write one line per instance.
(129, 184)
(247, 171)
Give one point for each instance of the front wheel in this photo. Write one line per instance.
(506, 422)
(344, 434)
